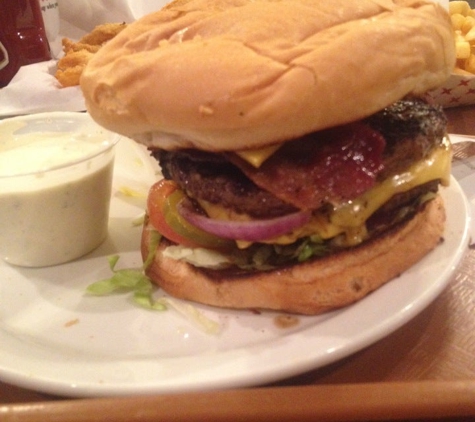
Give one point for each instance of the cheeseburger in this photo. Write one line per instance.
(301, 164)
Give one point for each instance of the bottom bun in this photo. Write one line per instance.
(312, 287)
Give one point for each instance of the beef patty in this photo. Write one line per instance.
(411, 128)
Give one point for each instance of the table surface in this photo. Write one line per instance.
(437, 345)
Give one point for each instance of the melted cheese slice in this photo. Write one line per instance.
(349, 218)
(255, 157)
(436, 166)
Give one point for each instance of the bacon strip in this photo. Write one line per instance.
(326, 167)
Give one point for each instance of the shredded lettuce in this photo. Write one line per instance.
(139, 220)
(260, 257)
(265, 257)
(134, 193)
(136, 282)
(192, 313)
(199, 257)
(124, 281)
(311, 247)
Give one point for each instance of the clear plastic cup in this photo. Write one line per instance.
(55, 187)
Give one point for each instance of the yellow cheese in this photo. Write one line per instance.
(350, 217)
(255, 157)
(437, 166)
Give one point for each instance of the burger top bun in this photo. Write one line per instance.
(237, 74)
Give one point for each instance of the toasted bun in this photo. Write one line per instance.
(308, 288)
(237, 74)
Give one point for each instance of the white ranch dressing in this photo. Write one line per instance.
(43, 151)
(54, 190)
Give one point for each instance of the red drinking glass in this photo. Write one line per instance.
(22, 37)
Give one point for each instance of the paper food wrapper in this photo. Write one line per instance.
(34, 88)
(458, 90)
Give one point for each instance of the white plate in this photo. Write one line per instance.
(56, 339)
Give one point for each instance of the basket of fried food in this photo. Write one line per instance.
(459, 89)
(77, 54)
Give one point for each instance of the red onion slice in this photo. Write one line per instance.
(251, 231)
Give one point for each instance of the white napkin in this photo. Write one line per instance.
(34, 88)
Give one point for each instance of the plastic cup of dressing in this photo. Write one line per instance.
(55, 187)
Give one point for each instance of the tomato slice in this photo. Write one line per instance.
(162, 203)
(157, 196)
